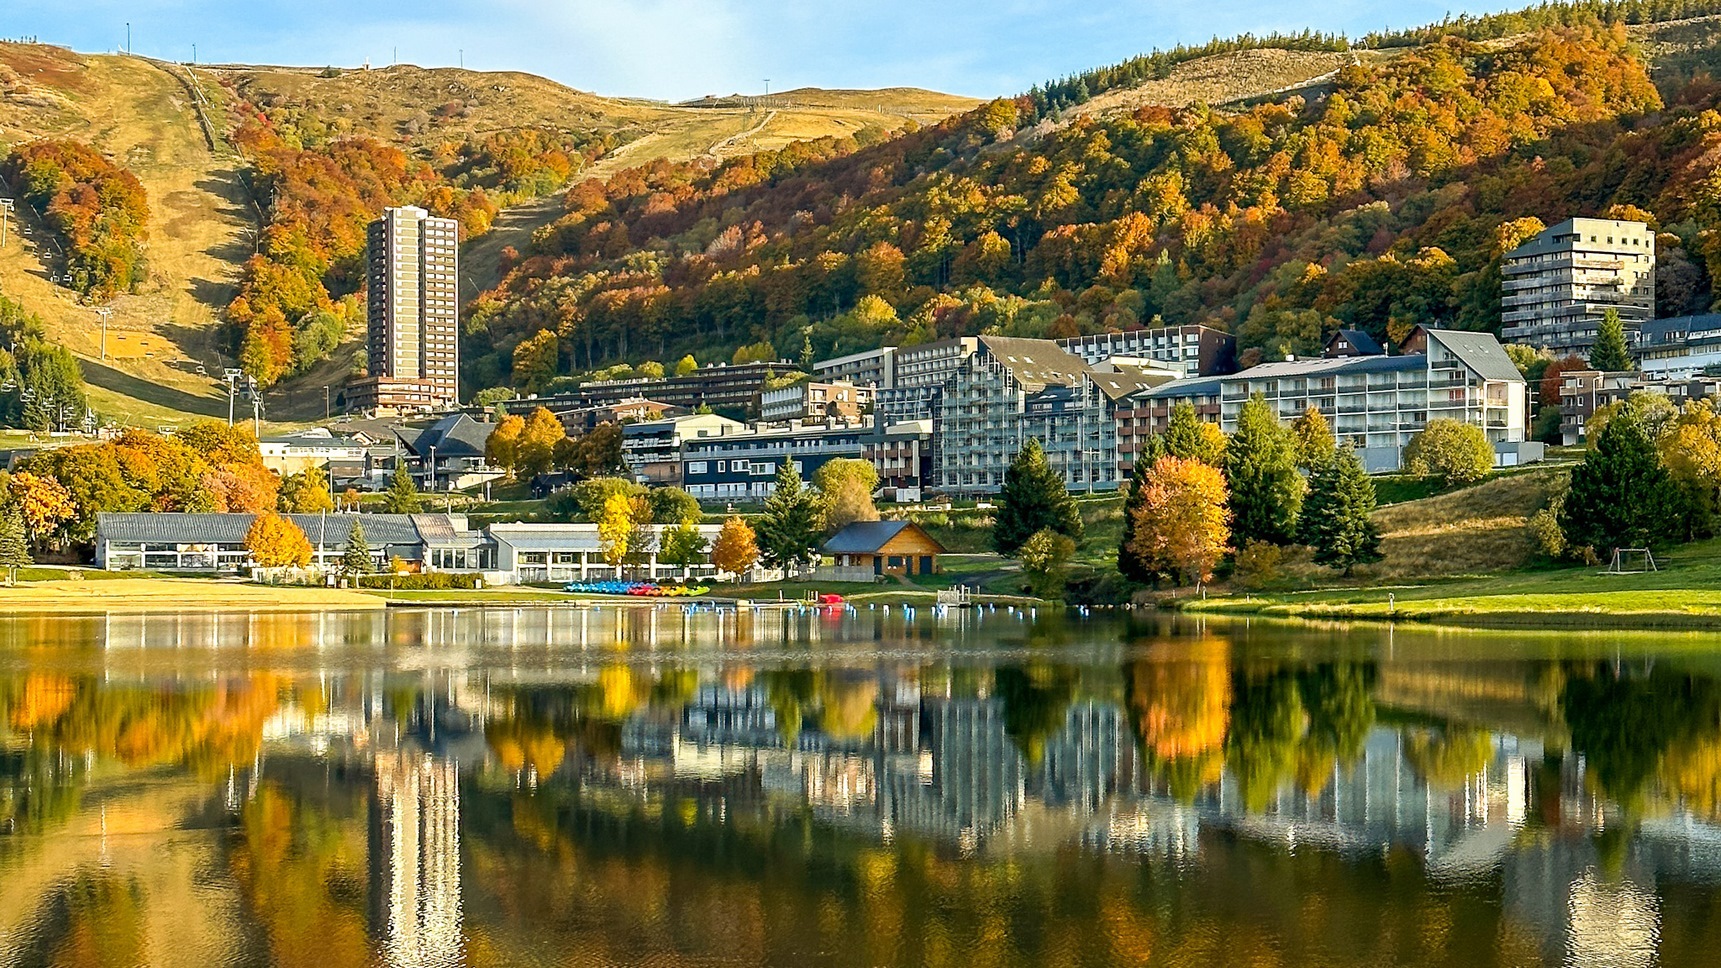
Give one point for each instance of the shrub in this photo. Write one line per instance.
(1456, 454)
(435, 581)
(1258, 565)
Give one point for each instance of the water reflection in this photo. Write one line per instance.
(819, 787)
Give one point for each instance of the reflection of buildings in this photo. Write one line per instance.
(415, 859)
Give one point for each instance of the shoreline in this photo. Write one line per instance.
(1577, 613)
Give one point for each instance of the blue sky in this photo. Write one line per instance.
(686, 48)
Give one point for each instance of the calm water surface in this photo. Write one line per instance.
(650, 787)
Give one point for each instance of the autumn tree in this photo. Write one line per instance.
(789, 526)
(1265, 490)
(502, 450)
(595, 453)
(683, 546)
(1033, 499)
(845, 489)
(1455, 454)
(1338, 516)
(1314, 440)
(1691, 452)
(538, 441)
(1180, 523)
(736, 548)
(687, 366)
(1610, 352)
(43, 504)
(615, 528)
(306, 492)
(402, 496)
(355, 557)
(276, 542)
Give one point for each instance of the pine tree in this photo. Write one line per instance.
(789, 528)
(1610, 353)
(355, 559)
(402, 496)
(1130, 562)
(1261, 469)
(1337, 518)
(14, 544)
(1033, 499)
(1621, 496)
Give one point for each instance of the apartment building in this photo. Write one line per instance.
(1008, 391)
(1558, 284)
(873, 368)
(1583, 392)
(413, 301)
(743, 466)
(921, 372)
(1191, 350)
(1375, 403)
(731, 388)
(813, 400)
(1680, 347)
(902, 455)
(652, 448)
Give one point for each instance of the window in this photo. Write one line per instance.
(696, 467)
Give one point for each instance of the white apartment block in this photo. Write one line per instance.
(1192, 350)
(1558, 284)
(873, 368)
(1680, 347)
(414, 301)
(1378, 403)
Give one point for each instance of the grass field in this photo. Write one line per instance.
(133, 594)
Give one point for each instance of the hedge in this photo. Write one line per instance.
(435, 581)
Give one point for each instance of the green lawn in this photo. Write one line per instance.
(1686, 592)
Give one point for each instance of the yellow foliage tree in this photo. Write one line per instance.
(1181, 527)
(736, 548)
(845, 492)
(538, 440)
(615, 528)
(44, 502)
(503, 448)
(276, 542)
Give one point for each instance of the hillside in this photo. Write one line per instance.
(204, 223)
(1280, 193)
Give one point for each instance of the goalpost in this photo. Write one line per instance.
(1625, 558)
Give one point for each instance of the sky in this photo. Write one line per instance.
(677, 49)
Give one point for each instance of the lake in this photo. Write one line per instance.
(662, 786)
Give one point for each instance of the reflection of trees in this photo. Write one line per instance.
(96, 918)
(1447, 757)
(1628, 723)
(1181, 707)
(1036, 701)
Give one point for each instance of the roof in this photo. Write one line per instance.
(1480, 352)
(1360, 341)
(327, 531)
(868, 537)
(455, 435)
(1119, 385)
(1676, 328)
(1195, 386)
(1036, 363)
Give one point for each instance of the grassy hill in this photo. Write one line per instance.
(204, 222)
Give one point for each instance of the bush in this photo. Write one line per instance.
(1258, 565)
(1456, 454)
(435, 581)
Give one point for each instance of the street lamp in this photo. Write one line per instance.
(105, 312)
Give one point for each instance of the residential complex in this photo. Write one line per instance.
(413, 296)
(1374, 402)
(743, 466)
(1192, 350)
(1559, 283)
(1680, 347)
(813, 400)
(1583, 392)
(733, 389)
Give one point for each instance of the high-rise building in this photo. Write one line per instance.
(414, 300)
(1559, 283)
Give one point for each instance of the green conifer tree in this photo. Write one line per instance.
(14, 542)
(1610, 352)
(789, 529)
(1261, 470)
(355, 558)
(1033, 499)
(1337, 518)
(402, 496)
(1130, 564)
(1621, 496)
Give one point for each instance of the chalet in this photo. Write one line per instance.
(884, 548)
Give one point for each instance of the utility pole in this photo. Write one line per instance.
(325, 401)
(128, 38)
(104, 312)
(193, 55)
(5, 218)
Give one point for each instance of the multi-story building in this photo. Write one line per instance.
(413, 266)
(744, 465)
(1192, 350)
(1374, 403)
(1559, 283)
(1583, 392)
(812, 400)
(902, 455)
(1009, 391)
(1680, 347)
(652, 448)
(921, 372)
(873, 368)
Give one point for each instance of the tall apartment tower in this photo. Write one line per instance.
(1558, 284)
(414, 304)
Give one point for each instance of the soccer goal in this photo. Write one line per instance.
(1631, 561)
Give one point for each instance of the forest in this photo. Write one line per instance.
(1384, 201)
(98, 209)
(301, 294)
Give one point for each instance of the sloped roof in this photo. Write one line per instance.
(1661, 330)
(1480, 352)
(455, 435)
(327, 531)
(1036, 363)
(1116, 386)
(867, 537)
(1360, 341)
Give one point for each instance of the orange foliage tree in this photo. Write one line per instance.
(98, 207)
(276, 542)
(1181, 526)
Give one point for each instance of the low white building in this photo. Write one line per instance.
(574, 552)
